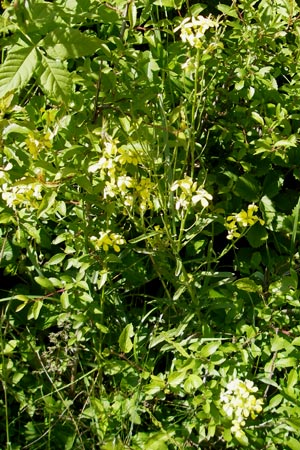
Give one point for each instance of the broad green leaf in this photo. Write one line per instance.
(257, 118)
(55, 80)
(257, 235)
(10, 346)
(278, 343)
(70, 43)
(125, 342)
(176, 378)
(44, 282)
(247, 188)
(17, 69)
(209, 349)
(64, 300)
(286, 362)
(192, 383)
(228, 10)
(56, 259)
(293, 443)
(246, 284)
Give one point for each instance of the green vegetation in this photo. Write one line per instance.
(149, 212)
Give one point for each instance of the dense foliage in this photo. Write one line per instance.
(149, 211)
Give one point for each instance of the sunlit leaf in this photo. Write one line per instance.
(55, 80)
(17, 69)
(125, 341)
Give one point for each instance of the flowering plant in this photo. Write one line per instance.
(239, 402)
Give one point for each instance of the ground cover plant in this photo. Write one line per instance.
(149, 211)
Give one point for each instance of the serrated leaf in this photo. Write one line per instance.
(125, 342)
(55, 80)
(17, 69)
(70, 43)
(257, 235)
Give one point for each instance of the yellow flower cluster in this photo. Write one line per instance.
(242, 219)
(27, 194)
(112, 168)
(239, 403)
(36, 142)
(193, 29)
(189, 193)
(106, 240)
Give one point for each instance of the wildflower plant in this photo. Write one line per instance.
(237, 223)
(239, 403)
(134, 136)
(193, 30)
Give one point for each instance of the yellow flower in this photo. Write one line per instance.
(239, 403)
(106, 240)
(128, 156)
(243, 219)
(28, 195)
(35, 143)
(193, 29)
(190, 193)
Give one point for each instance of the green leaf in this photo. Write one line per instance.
(192, 383)
(125, 342)
(228, 10)
(64, 300)
(56, 259)
(247, 188)
(44, 282)
(286, 362)
(246, 284)
(70, 43)
(46, 203)
(257, 235)
(55, 80)
(176, 378)
(293, 443)
(165, 3)
(17, 69)
(278, 343)
(6, 251)
(292, 378)
(35, 310)
(208, 349)
(10, 346)
(132, 14)
(257, 118)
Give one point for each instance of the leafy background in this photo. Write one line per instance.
(125, 308)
